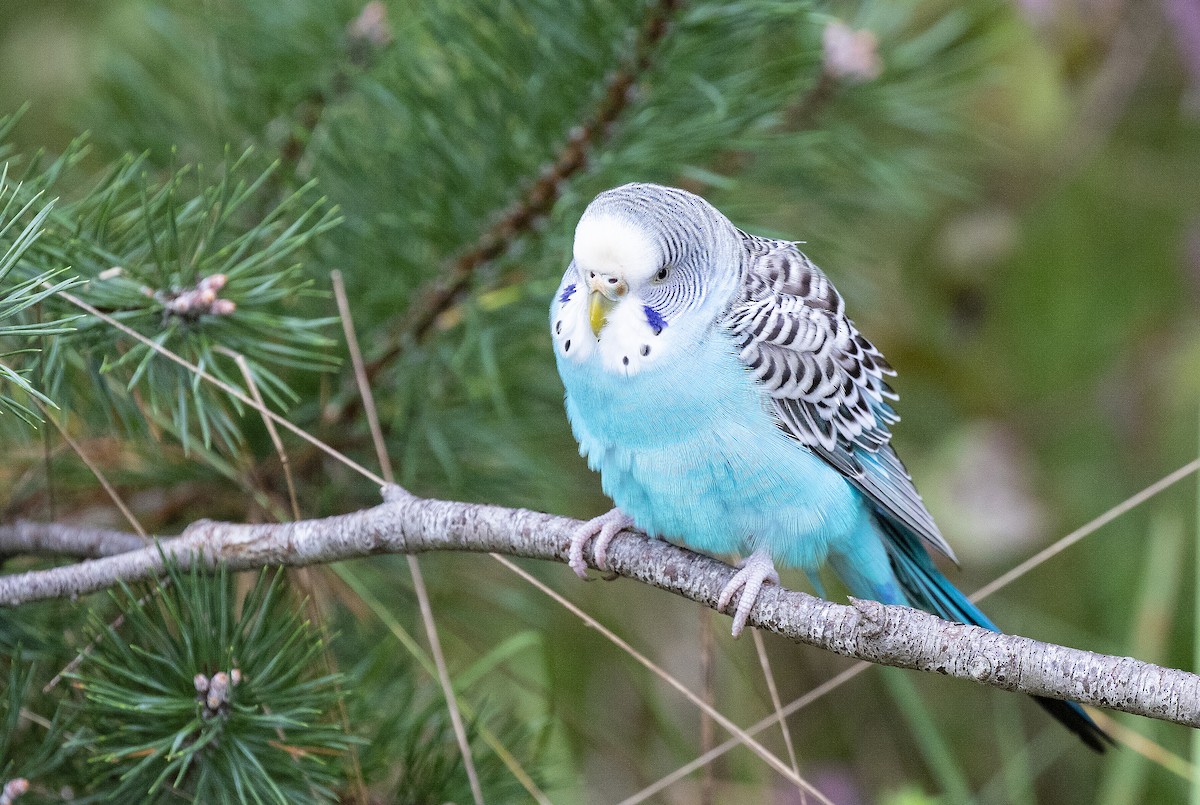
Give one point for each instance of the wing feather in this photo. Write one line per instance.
(826, 381)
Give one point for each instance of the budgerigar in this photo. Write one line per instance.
(714, 380)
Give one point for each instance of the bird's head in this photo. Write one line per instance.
(652, 266)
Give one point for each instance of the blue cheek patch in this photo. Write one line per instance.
(566, 294)
(654, 319)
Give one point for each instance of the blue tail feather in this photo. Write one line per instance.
(928, 589)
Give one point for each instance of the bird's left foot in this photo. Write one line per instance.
(602, 529)
(754, 570)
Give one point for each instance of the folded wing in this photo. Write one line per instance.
(826, 382)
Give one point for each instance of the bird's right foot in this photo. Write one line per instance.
(753, 572)
(603, 529)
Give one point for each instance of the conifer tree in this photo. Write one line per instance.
(230, 157)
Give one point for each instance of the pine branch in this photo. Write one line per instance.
(186, 261)
(866, 630)
(521, 216)
(366, 34)
(24, 537)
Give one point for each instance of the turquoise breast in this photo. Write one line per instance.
(688, 449)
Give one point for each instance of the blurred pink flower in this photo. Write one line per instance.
(1184, 16)
(851, 55)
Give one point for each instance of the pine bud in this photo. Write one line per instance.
(218, 691)
(212, 283)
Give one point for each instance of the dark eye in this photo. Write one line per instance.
(662, 273)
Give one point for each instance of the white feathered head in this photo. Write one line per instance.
(653, 268)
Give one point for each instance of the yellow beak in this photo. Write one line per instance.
(598, 307)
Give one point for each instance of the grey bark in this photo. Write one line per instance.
(24, 537)
(866, 630)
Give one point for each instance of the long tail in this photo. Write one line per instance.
(925, 587)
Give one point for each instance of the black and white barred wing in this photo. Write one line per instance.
(825, 380)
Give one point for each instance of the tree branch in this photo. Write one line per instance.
(24, 537)
(866, 630)
(521, 215)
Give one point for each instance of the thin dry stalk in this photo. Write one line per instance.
(272, 431)
(74, 664)
(304, 580)
(1130, 503)
(717, 751)
(95, 470)
(760, 648)
(414, 567)
(236, 393)
(646, 662)
(708, 648)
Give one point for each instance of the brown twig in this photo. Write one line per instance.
(708, 757)
(272, 431)
(115, 624)
(365, 36)
(519, 217)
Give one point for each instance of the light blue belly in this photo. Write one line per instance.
(688, 450)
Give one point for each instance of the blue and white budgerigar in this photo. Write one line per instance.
(713, 379)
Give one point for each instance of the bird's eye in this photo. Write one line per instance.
(662, 273)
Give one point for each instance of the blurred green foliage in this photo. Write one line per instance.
(1009, 207)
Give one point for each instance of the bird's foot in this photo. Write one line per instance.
(754, 570)
(603, 529)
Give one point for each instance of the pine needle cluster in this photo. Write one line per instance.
(208, 695)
